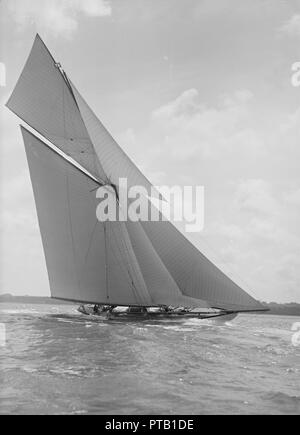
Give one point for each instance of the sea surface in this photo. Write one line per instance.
(56, 361)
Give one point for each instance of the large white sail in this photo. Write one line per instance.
(116, 164)
(195, 275)
(43, 99)
(159, 281)
(86, 260)
(143, 263)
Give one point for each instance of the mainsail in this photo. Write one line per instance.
(87, 260)
(122, 263)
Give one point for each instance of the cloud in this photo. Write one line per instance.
(291, 125)
(56, 17)
(191, 128)
(255, 196)
(255, 240)
(266, 212)
(182, 105)
(2, 75)
(20, 241)
(293, 197)
(255, 215)
(292, 26)
(251, 177)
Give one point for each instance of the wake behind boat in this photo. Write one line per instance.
(150, 268)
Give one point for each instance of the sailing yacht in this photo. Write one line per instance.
(119, 269)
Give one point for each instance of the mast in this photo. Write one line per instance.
(106, 262)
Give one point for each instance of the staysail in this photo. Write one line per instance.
(124, 263)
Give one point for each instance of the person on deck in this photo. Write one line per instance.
(96, 309)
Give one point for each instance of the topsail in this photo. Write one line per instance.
(44, 98)
(122, 263)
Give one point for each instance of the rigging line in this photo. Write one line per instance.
(127, 248)
(88, 251)
(164, 266)
(133, 287)
(96, 162)
(163, 262)
(190, 279)
(225, 266)
(59, 67)
(228, 272)
(68, 194)
(69, 86)
(121, 264)
(106, 262)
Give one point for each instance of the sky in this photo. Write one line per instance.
(197, 92)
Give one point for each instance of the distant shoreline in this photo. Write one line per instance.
(32, 300)
(289, 309)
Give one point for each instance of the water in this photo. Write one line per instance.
(56, 361)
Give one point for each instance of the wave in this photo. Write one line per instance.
(268, 348)
(20, 311)
(282, 398)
